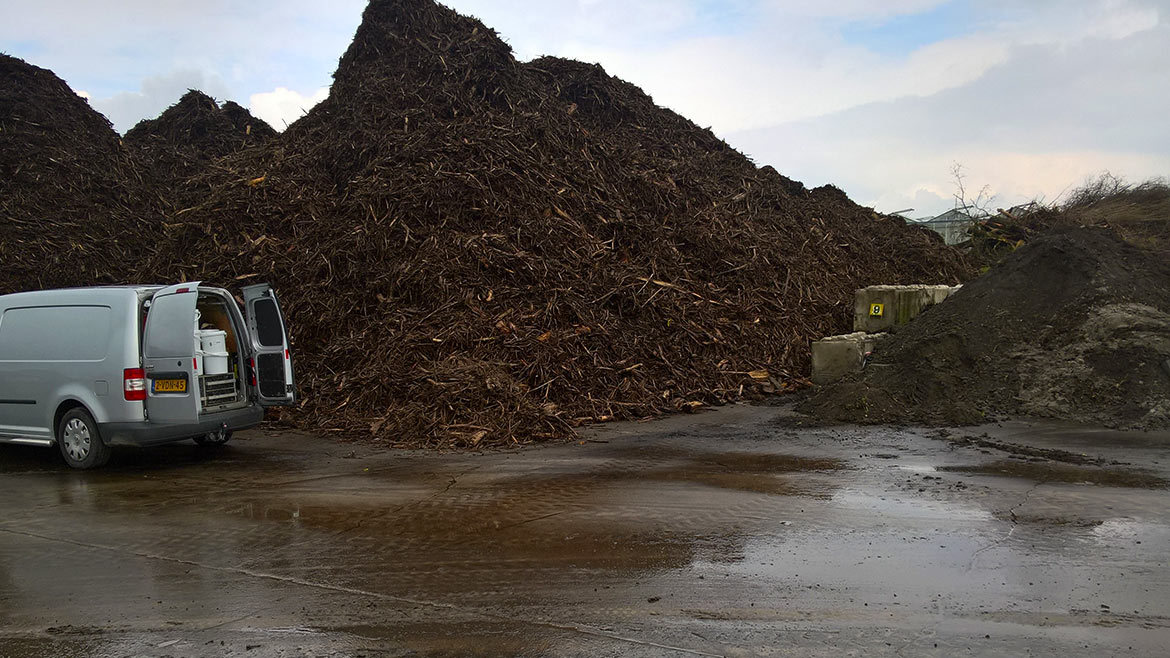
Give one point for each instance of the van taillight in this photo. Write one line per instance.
(134, 384)
(251, 371)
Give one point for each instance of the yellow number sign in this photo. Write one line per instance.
(877, 310)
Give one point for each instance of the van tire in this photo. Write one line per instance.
(213, 438)
(80, 443)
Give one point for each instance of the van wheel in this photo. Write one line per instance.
(81, 445)
(217, 438)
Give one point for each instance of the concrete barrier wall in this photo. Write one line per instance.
(879, 308)
(837, 356)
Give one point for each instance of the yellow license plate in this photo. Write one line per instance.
(170, 385)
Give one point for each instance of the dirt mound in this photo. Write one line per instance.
(1074, 325)
(473, 250)
(68, 188)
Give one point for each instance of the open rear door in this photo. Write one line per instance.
(272, 360)
(168, 355)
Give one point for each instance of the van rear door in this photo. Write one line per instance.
(168, 355)
(272, 361)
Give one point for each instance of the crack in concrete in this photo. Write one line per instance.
(1015, 524)
(926, 632)
(435, 605)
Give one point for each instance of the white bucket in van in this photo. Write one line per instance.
(213, 344)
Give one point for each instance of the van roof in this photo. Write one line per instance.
(73, 292)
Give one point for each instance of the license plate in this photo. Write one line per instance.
(170, 385)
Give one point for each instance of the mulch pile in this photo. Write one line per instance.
(475, 251)
(70, 193)
(190, 134)
(1073, 325)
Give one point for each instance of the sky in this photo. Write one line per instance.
(1025, 99)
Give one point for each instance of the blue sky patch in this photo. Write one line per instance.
(902, 35)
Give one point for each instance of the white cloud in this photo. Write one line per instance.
(110, 48)
(1064, 22)
(1046, 119)
(1011, 178)
(282, 106)
(852, 9)
(734, 84)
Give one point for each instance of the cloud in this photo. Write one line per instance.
(108, 48)
(852, 9)
(281, 106)
(546, 27)
(1048, 117)
(731, 84)
(125, 109)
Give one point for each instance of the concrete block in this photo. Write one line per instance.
(837, 356)
(878, 308)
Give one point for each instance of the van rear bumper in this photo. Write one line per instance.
(152, 434)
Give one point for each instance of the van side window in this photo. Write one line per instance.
(268, 323)
(55, 333)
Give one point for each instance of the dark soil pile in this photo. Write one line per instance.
(1074, 325)
(71, 202)
(474, 250)
(193, 132)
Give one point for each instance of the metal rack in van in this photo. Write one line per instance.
(218, 390)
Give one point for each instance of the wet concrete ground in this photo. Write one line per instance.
(731, 533)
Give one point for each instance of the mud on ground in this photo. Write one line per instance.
(722, 534)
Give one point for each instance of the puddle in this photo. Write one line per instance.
(474, 638)
(891, 506)
(748, 462)
(752, 473)
(1065, 473)
(1131, 531)
(522, 525)
(760, 483)
(445, 538)
(1053, 521)
(917, 469)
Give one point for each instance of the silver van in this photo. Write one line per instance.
(89, 369)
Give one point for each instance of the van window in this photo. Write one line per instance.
(55, 333)
(268, 323)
